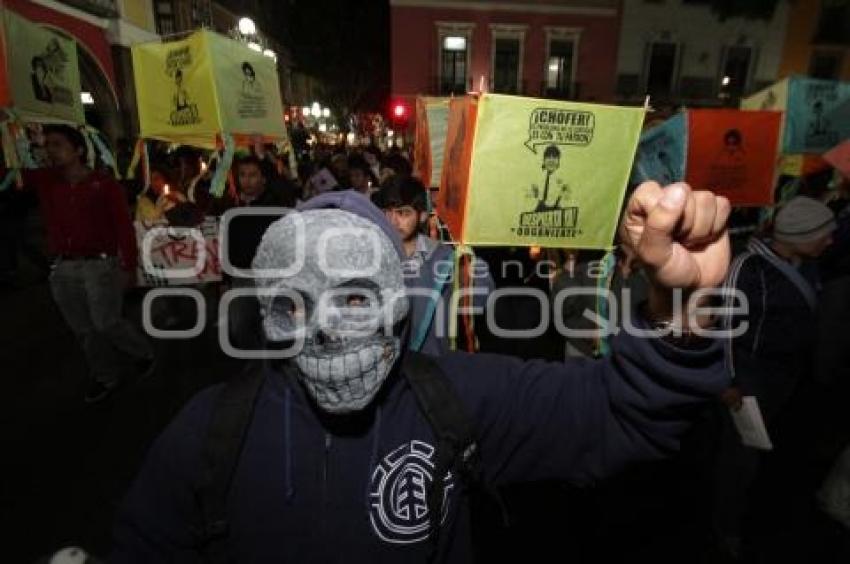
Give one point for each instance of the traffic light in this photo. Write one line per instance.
(399, 113)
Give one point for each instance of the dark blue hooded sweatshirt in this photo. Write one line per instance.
(311, 487)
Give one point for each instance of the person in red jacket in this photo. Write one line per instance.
(93, 243)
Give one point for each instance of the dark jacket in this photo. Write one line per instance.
(313, 488)
(775, 352)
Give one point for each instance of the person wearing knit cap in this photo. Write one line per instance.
(358, 449)
(779, 279)
(803, 228)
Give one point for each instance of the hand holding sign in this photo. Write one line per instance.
(680, 235)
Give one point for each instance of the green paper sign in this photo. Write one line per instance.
(549, 173)
(45, 76)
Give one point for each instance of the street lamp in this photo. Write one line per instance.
(326, 112)
(316, 109)
(247, 26)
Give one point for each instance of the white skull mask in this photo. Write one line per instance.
(339, 289)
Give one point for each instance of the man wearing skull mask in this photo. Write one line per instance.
(337, 460)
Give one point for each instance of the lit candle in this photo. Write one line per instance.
(165, 189)
(203, 165)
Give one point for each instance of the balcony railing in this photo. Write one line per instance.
(570, 91)
(440, 87)
(695, 91)
(100, 8)
(520, 89)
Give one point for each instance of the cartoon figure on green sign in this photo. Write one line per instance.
(48, 75)
(553, 215)
(551, 163)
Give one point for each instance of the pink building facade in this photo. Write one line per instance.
(550, 49)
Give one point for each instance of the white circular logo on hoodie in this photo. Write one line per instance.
(398, 507)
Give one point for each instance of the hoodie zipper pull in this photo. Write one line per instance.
(326, 464)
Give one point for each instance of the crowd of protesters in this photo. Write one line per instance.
(793, 268)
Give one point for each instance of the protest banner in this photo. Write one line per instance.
(730, 152)
(662, 152)
(42, 76)
(734, 154)
(194, 90)
(540, 173)
(454, 180)
(176, 249)
(817, 112)
(432, 116)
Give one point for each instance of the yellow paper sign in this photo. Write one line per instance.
(193, 90)
(548, 173)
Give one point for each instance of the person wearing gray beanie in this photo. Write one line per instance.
(774, 353)
(803, 228)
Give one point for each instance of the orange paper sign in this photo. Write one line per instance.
(454, 184)
(422, 144)
(734, 153)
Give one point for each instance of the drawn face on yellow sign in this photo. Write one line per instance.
(551, 159)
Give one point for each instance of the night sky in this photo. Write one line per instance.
(344, 43)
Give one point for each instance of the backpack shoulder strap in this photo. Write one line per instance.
(440, 403)
(231, 417)
(456, 446)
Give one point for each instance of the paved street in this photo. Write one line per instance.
(68, 463)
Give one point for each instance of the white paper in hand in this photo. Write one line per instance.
(750, 425)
